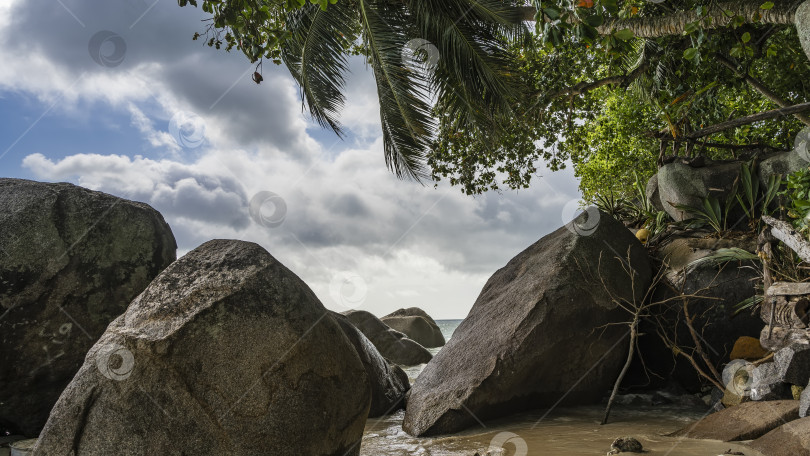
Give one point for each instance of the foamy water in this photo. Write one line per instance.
(565, 432)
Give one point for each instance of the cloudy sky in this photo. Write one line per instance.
(114, 95)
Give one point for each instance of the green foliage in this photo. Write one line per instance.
(753, 201)
(748, 303)
(618, 207)
(797, 192)
(607, 130)
(571, 94)
(652, 219)
(748, 190)
(725, 255)
(255, 27)
(711, 212)
(470, 74)
(611, 149)
(771, 191)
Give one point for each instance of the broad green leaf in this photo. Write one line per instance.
(624, 34)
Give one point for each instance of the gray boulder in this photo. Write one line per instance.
(793, 363)
(782, 163)
(417, 325)
(746, 421)
(226, 352)
(393, 345)
(653, 195)
(767, 384)
(389, 383)
(71, 260)
(802, 21)
(681, 184)
(540, 331)
(792, 438)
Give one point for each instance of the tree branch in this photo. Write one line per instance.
(757, 85)
(765, 115)
(785, 233)
(584, 87)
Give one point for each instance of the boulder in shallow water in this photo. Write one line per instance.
(790, 439)
(746, 421)
(389, 383)
(537, 332)
(417, 325)
(392, 344)
(625, 445)
(71, 260)
(226, 352)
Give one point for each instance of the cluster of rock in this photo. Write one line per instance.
(224, 351)
(767, 399)
(227, 350)
(687, 182)
(393, 345)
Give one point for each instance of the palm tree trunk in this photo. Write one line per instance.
(782, 13)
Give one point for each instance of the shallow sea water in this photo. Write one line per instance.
(562, 432)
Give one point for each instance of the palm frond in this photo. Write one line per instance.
(315, 56)
(404, 112)
(473, 76)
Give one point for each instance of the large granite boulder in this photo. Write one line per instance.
(746, 421)
(71, 260)
(681, 184)
(540, 331)
(802, 21)
(226, 352)
(393, 345)
(417, 325)
(789, 439)
(389, 383)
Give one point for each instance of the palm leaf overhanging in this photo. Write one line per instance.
(470, 76)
